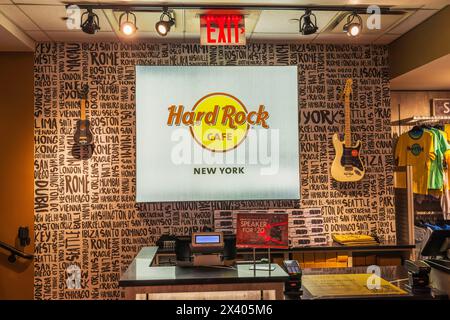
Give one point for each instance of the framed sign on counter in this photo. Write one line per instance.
(262, 230)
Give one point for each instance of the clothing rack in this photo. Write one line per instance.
(412, 121)
(402, 126)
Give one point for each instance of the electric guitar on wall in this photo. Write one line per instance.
(83, 147)
(347, 165)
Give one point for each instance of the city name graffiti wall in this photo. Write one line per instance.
(88, 227)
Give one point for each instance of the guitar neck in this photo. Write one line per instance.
(83, 109)
(347, 133)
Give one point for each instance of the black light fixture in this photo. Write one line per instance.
(89, 22)
(353, 27)
(163, 26)
(128, 27)
(307, 26)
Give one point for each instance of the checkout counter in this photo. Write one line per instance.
(206, 269)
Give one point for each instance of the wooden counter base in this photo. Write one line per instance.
(268, 291)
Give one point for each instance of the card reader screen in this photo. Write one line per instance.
(207, 239)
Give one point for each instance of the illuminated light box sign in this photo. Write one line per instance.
(216, 133)
(222, 29)
(262, 230)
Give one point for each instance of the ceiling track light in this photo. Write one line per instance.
(307, 25)
(128, 27)
(163, 26)
(353, 27)
(89, 22)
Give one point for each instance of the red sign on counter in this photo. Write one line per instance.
(262, 230)
(222, 29)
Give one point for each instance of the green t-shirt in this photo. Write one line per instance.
(436, 172)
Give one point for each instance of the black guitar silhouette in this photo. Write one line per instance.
(83, 147)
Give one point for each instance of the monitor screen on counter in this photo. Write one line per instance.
(216, 133)
(207, 239)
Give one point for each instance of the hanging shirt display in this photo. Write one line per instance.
(415, 148)
(427, 150)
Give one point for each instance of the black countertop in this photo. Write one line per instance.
(140, 273)
(332, 246)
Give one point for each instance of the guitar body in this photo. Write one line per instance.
(347, 165)
(83, 135)
(83, 147)
(82, 152)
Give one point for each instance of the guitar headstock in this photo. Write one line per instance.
(83, 92)
(348, 86)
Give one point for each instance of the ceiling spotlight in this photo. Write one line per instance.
(89, 22)
(307, 26)
(163, 26)
(354, 25)
(127, 26)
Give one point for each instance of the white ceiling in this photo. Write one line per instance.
(431, 76)
(24, 21)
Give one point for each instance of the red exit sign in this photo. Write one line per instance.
(222, 29)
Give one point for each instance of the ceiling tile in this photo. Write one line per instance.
(282, 21)
(50, 18)
(14, 14)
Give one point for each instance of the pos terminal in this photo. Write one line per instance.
(205, 249)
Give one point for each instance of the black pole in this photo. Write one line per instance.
(248, 7)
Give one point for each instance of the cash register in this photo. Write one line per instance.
(433, 272)
(205, 249)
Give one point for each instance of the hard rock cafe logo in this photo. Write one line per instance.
(219, 121)
(415, 149)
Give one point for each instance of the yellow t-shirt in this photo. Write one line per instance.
(447, 130)
(418, 153)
